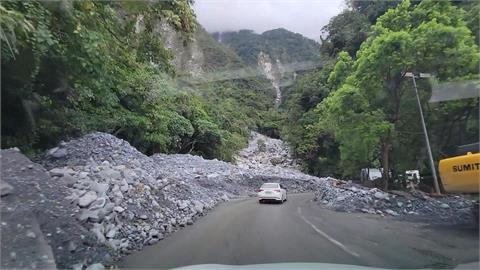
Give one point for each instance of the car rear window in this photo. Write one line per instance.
(270, 186)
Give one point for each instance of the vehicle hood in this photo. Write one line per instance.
(276, 266)
(298, 266)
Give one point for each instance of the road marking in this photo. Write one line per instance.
(329, 238)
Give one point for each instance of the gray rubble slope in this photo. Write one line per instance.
(110, 199)
(37, 221)
(263, 152)
(271, 157)
(416, 206)
(128, 200)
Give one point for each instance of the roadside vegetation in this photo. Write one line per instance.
(359, 111)
(73, 67)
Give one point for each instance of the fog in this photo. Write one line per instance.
(306, 17)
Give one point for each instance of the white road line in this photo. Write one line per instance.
(329, 238)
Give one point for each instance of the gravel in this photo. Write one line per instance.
(128, 200)
(416, 206)
(117, 200)
(264, 151)
(37, 220)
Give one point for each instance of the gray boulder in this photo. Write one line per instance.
(380, 195)
(68, 180)
(58, 153)
(5, 188)
(97, 204)
(98, 231)
(87, 199)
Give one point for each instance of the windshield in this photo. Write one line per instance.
(303, 134)
(270, 186)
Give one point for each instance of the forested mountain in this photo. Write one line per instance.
(150, 74)
(359, 111)
(279, 55)
(72, 67)
(281, 44)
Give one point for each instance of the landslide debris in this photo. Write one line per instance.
(127, 200)
(416, 206)
(38, 227)
(97, 198)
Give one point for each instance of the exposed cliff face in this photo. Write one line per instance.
(187, 57)
(187, 54)
(273, 71)
(199, 57)
(277, 54)
(196, 54)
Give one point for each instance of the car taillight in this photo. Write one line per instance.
(277, 190)
(259, 190)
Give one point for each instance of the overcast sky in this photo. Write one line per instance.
(301, 16)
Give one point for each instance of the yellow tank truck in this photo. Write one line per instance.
(461, 173)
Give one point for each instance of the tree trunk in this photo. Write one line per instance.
(385, 151)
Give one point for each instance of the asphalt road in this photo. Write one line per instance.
(246, 232)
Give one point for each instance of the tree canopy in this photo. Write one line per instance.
(281, 44)
(370, 111)
(73, 67)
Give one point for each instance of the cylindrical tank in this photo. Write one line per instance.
(461, 174)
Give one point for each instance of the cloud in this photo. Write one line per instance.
(306, 17)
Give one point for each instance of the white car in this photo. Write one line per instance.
(272, 192)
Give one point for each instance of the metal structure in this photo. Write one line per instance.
(427, 140)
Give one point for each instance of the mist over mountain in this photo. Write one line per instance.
(279, 43)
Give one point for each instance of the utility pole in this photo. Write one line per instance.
(427, 141)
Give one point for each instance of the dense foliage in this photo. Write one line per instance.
(347, 30)
(362, 112)
(280, 44)
(72, 67)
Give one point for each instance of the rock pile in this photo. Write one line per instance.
(264, 151)
(346, 196)
(38, 229)
(128, 200)
(102, 198)
(113, 184)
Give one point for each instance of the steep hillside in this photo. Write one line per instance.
(146, 72)
(197, 53)
(277, 54)
(240, 97)
(281, 44)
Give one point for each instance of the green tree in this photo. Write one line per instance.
(73, 67)
(345, 32)
(372, 9)
(357, 128)
(430, 37)
(311, 143)
(341, 70)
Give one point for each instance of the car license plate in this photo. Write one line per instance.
(268, 192)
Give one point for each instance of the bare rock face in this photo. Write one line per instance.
(187, 53)
(273, 71)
